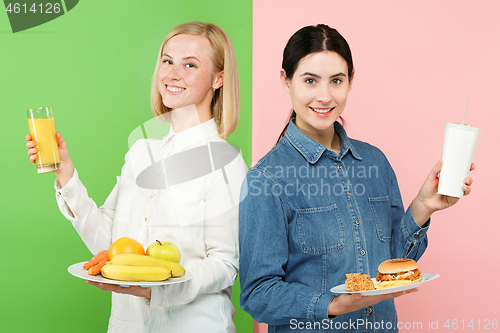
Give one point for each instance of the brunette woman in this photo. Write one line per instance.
(308, 219)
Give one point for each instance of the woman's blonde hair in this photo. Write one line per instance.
(226, 100)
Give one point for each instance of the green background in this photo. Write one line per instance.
(94, 66)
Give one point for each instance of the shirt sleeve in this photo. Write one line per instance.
(219, 268)
(265, 294)
(409, 240)
(92, 223)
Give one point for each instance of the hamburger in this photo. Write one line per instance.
(397, 272)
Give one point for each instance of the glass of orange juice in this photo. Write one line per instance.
(43, 132)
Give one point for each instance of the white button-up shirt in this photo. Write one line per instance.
(185, 189)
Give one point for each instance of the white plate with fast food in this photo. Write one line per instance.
(78, 271)
(426, 277)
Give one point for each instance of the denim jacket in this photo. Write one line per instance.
(308, 217)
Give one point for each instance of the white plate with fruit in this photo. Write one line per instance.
(127, 264)
(78, 271)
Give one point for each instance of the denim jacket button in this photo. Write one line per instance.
(362, 252)
(417, 236)
(340, 167)
(357, 222)
(348, 193)
(369, 310)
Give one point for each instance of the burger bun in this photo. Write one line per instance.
(397, 265)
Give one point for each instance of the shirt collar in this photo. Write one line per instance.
(192, 136)
(312, 150)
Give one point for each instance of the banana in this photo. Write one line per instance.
(135, 273)
(144, 260)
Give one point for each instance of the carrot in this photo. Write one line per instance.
(97, 259)
(94, 270)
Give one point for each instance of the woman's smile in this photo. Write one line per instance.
(174, 89)
(322, 112)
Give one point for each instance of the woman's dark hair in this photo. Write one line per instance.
(309, 40)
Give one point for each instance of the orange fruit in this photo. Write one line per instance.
(125, 245)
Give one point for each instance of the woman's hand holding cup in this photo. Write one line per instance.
(67, 168)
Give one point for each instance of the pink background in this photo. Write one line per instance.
(415, 62)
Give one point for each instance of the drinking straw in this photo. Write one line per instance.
(465, 109)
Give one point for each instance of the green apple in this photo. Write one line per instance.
(164, 250)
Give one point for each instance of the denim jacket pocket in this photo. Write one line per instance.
(320, 230)
(381, 210)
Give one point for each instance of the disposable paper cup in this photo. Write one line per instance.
(43, 132)
(459, 144)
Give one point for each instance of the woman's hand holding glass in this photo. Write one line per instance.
(67, 168)
(429, 201)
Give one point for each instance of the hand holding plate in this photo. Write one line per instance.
(132, 290)
(346, 303)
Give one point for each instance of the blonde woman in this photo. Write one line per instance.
(174, 189)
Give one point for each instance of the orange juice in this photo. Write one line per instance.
(43, 132)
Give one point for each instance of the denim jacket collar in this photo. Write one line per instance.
(312, 150)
